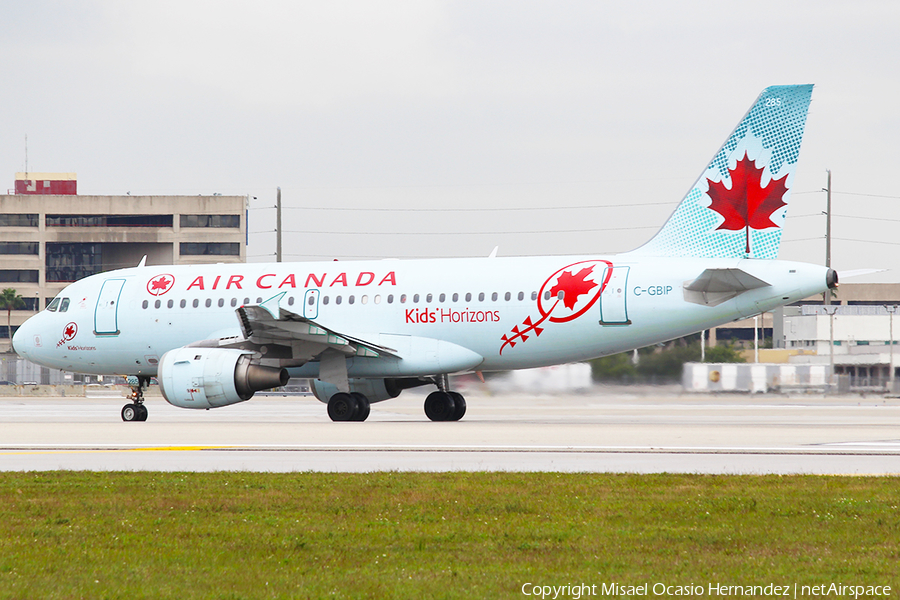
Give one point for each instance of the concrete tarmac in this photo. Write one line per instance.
(604, 431)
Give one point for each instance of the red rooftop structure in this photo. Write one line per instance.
(56, 184)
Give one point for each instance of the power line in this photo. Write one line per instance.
(542, 231)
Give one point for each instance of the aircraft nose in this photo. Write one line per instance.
(18, 344)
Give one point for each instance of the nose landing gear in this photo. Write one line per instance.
(136, 411)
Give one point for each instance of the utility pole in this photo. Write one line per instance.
(278, 226)
(827, 295)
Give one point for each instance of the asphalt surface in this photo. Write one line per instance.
(603, 431)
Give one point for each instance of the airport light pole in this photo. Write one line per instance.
(830, 310)
(278, 226)
(891, 310)
(826, 296)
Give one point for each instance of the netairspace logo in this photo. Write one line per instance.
(575, 591)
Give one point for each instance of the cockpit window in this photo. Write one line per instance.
(53, 305)
(64, 305)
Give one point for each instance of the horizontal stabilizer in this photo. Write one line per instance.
(715, 286)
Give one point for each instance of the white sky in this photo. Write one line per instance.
(614, 107)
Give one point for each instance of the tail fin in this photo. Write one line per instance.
(737, 207)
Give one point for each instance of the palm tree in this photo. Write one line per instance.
(10, 301)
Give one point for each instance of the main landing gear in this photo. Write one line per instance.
(351, 406)
(442, 405)
(136, 411)
(445, 406)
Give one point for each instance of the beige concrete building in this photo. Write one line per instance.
(48, 241)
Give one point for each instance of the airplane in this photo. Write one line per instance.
(363, 331)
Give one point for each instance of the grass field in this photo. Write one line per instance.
(450, 535)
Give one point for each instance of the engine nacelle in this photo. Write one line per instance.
(375, 390)
(213, 377)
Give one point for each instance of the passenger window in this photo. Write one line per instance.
(157, 304)
(183, 303)
(291, 301)
(507, 296)
(325, 300)
(312, 300)
(221, 302)
(402, 298)
(561, 294)
(54, 305)
(428, 298)
(196, 302)
(468, 297)
(494, 296)
(442, 297)
(534, 295)
(171, 303)
(351, 299)
(547, 295)
(364, 299)
(337, 300)
(246, 301)
(259, 300)
(521, 296)
(377, 299)
(390, 298)
(416, 299)
(456, 297)
(233, 302)
(208, 302)
(64, 305)
(481, 297)
(145, 304)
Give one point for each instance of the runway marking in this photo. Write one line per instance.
(891, 448)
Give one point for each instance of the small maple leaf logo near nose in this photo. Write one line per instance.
(160, 284)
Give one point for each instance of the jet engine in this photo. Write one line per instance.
(213, 377)
(375, 390)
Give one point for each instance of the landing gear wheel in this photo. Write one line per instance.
(142, 412)
(362, 403)
(342, 407)
(131, 412)
(460, 404)
(439, 406)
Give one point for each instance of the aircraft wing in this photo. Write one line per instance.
(268, 323)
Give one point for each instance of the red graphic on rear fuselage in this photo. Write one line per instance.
(573, 290)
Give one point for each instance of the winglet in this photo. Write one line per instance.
(272, 305)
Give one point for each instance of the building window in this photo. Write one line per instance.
(210, 249)
(71, 262)
(18, 220)
(18, 276)
(19, 248)
(109, 220)
(232, 221)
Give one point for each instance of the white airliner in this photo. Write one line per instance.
(363, 331)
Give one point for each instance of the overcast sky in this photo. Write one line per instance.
(547, 127)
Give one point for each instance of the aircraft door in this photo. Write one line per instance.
(311, 304)
(613, 302)
(106, 314)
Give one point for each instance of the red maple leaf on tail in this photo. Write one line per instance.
(747, 205)
(573, 286)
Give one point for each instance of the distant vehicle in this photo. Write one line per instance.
(4, 382)
(31, 383)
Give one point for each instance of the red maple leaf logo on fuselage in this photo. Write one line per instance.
(573, 286)
(747, 204)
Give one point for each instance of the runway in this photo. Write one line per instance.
(604, 431)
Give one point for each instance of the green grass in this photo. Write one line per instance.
(451, 535)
